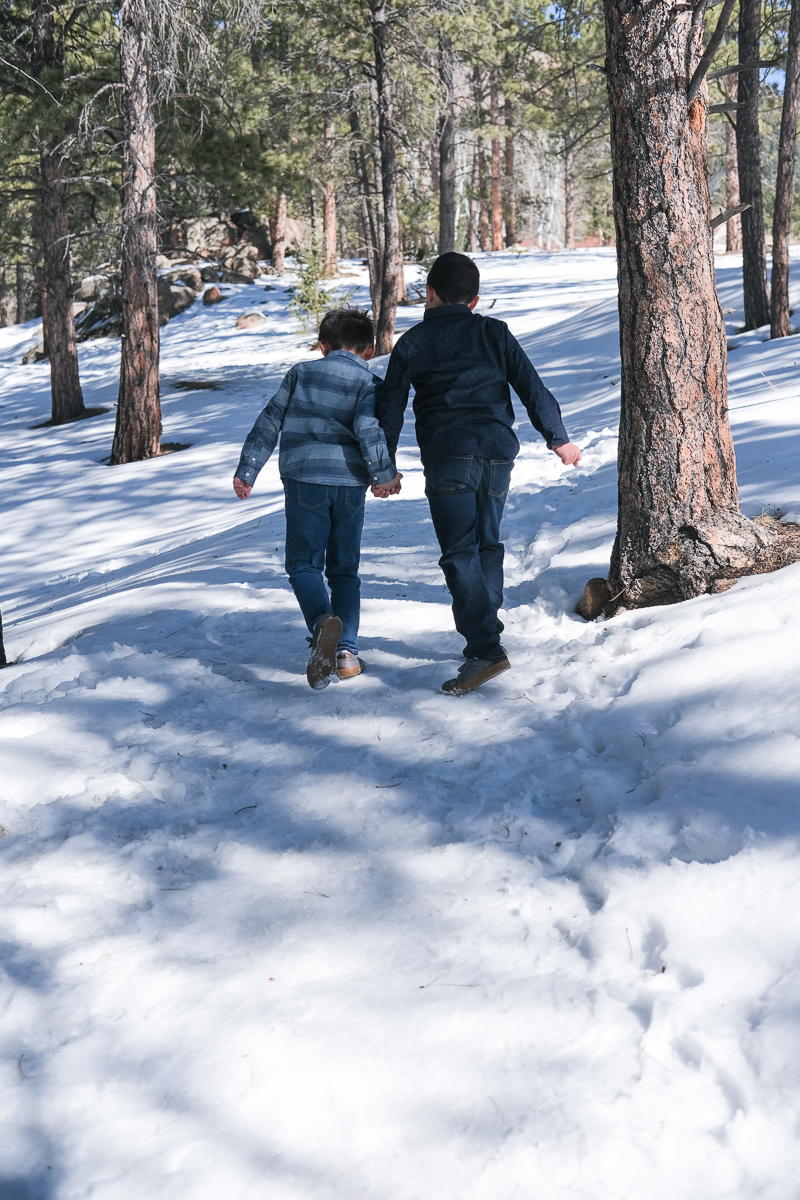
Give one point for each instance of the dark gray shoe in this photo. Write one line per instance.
(474, 672)
(324, 642)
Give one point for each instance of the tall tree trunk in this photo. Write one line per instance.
(392, 254)
(748, 146)
(484, 240)
(447, 149)
(782, 217)
(569, 197)
(20, 282)
(377, 170)
(3, 659)
(331, 262)
(138, 431)
(367, 212)
(497, 174)
(59, 327)
(474, 199)
(279, 236)
(5, 313)
(680, 531)
(733, 227)
(511, 177)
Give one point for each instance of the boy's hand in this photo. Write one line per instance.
(383, 490)
(570, 455)
(241, 488)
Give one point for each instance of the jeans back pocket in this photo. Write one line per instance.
(447, 475)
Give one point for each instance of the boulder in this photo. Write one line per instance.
(101, 319)
(209, 235)
(92, 288)
(251, 320)
(210, 274)
(212, 295)
(235, 277)
(188, 276)
(244, 261)
(163, 263)
(173, 298)
(34, 355)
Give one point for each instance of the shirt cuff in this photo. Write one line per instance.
(385, 476)
(246, 472)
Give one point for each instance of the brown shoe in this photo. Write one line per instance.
(474, 672)
(349, 665)
(322, 660)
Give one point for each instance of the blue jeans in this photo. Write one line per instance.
(323, 531)
(467, 496)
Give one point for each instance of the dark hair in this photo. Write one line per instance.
(347, 329)
(454, 278)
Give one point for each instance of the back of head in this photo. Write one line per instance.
(347, 329)
(454, 278)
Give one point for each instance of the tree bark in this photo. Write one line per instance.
(392, 251)
(58, 326)
(279, 238)
(748, 146)
(497, 176)
(138, 432)
(484, 240)
(474, 199)
(511, 177)
(3, 659)
(20, 281)
(680, 531)
(329, 219)
(569, 197)
(371, 240)
(447, 150)
(782, 217)
(733, 228)
(5, 313)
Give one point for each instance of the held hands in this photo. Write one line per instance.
(569, 454)
(383, 490)
(241, 488)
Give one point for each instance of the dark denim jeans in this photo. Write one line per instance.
(467, 496)
(323, 531)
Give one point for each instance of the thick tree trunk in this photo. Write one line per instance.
(138, 431)
(20, 282)
(447, 150)
(497, 175)
(569, 197)
(329, 220)
(279, 237)
(392, 249)
(3, 659)
(5, 309)
(680, 531)
(484, 240)
(782, 217)
(511, 177)
(59, 327)
(748, 145)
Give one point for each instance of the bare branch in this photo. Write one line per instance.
(709, 52)
(727, 214)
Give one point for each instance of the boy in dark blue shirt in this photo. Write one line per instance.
(460, 365)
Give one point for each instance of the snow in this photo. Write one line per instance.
(259, 941)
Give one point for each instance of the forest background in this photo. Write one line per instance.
(496, 116)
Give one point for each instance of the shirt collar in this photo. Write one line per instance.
(447, 310)
(350, 357)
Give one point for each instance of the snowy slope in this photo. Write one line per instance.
(215, 934)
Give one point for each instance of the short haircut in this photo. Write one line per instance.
(454, 278)
(347, 329)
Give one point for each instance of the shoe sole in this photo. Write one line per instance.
(322, 660)
(350, 672)
(452, 688)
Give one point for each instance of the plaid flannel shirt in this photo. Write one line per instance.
(325, 413)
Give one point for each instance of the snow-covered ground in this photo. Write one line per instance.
(214, 934)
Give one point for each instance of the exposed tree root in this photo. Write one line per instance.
(702, 560)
